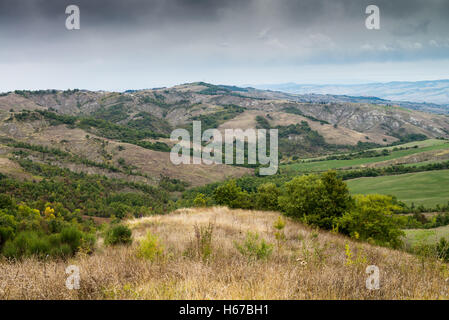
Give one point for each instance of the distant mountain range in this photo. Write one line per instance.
(429, 92)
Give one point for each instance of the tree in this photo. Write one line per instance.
(372, 219)
(267, 197)
(227, 193)
(200, 200)
(317, 200)
(8, 226)
(232, 196)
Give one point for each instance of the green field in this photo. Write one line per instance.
(427, 145)
(420, 144)
(427, 236)
(427, 188)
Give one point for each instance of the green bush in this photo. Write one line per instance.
(231, 195)
(442, 249)
(254, 248)
(372, 219)
(267, 197)
(118, 234)
(72, 237)
(8, 225)
(35, 243)
(27, 243)
(150, 248)
(317, 200)
(199, 201)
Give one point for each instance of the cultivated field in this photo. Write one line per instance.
(427, 188)
(308, 264)
(360, 162)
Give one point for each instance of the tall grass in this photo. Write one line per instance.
(311, 265)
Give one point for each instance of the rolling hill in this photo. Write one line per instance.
(424, 95)
(125, 136)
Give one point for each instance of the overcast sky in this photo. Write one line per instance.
(137, 44)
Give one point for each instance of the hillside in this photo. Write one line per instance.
(426, 95)
(145, 118)
(309, 264)
(108, 153)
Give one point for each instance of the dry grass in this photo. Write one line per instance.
(308, 265)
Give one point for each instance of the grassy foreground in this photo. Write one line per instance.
(308, 264)
(426, 188)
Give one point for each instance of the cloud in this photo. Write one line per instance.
(156, 39)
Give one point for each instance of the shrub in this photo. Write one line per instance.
(8, 227)
(267, 197)
(27, 243)
(372, 219)
(200, 200)
(118, 234)
(442, 249)
(150, 248)
(203, 236)
(72, 237)
(232, 196)
(253, 247)
(227, 193)
(279, 234)
(317, 200)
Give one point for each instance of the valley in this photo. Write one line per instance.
(87, 176)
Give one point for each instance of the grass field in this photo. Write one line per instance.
(427, 188)
(428, 145)
(310, 264)
(427, 236)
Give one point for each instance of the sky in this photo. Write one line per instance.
(138, 44)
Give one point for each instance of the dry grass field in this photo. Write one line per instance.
(307, 264)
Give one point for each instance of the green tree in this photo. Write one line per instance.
(372, 219)
(232, 196)
(8, 227)
(267, 197)
(226, 193)
(200, 200)
(317, 200)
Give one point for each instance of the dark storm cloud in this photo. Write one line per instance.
(140, 39)
(111, 12)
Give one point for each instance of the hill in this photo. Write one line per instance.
(309, 264)
(308, 126)
(426, 95)
(55, 145)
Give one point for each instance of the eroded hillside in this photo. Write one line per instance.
(130, 131)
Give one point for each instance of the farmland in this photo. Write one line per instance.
(323, 165)
(427, 188)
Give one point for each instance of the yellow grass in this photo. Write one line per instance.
(308, 265)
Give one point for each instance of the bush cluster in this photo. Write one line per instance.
(53, 232)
